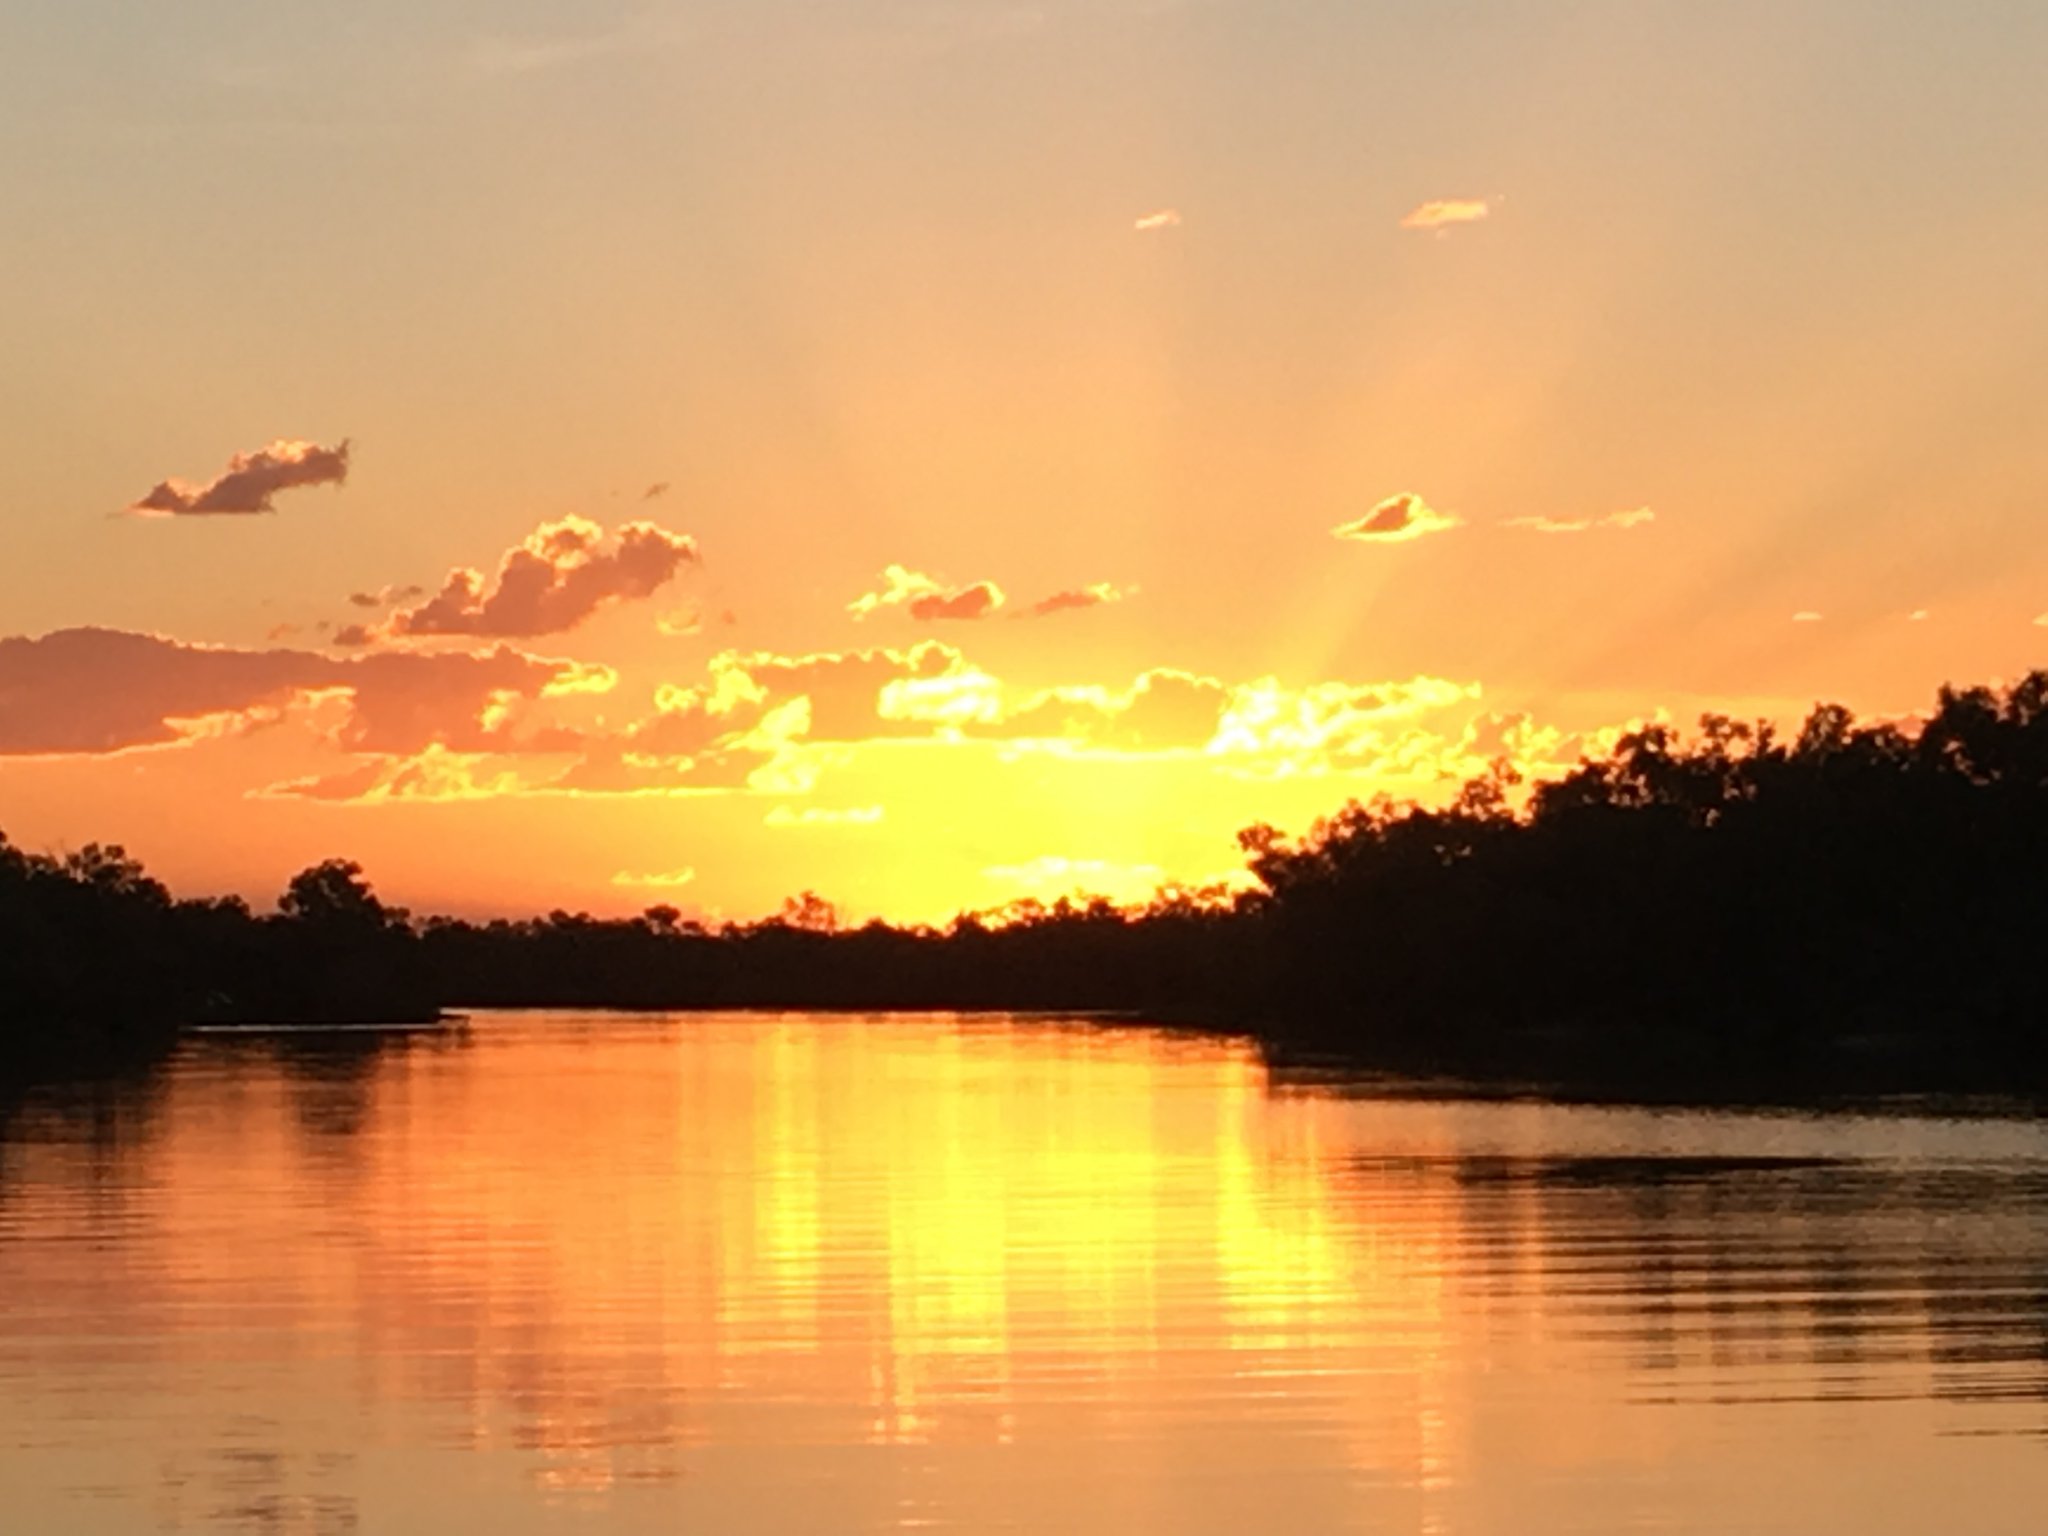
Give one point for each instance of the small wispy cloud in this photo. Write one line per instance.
(1395, 521)
(1162, 218)
(1635, 517)
(926, 598)
(655, 491)
(1447, 212)
(1918, 615)
(1093, 596)
(2042, 620)
(822, 816)
(1806, 616)
(660, 880)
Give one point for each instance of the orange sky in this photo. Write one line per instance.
(940, 453)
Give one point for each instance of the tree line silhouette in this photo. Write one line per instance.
(1706, 903)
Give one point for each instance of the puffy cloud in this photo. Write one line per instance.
(1635, 517)
(250, 481)
(926, 598)
(1163, 218)
(1395, 521)
(95, 691)
(1079, 597)
(1445, 213)
(556, 578)
(1325, 724)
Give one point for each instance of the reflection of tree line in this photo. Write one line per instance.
(1734, 903)
(1754, 1280)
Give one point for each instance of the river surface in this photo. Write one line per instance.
(745, 1275)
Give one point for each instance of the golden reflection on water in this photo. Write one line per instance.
(844, 1275)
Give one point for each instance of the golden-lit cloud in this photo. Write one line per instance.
(679, 623)
(659, 880)
(1093, 596)
(1056, 874)
(1806, 616)
(1635, 517)
(95, 691)
(2042, 620)
(1920, 615)
(824, 816)
(1395, 521)
(552, 581)
(1161, 218)
(926, 598)
(1446, 213)
(250, 482)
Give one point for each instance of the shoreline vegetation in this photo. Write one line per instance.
(1856, 909)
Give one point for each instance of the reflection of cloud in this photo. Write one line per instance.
(1636, 517)
(1164, 218)
(1395, 521)
(926, 598)
(560, 575)
(1444, 213)
(250, 481)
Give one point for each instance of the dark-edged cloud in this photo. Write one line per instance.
(927, 599)
(387, 597)
(89, 692)
(551, 582)
(1395, 521)
(249, 482)
(1094, 596)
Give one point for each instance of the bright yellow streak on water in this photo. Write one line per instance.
(848, 1275)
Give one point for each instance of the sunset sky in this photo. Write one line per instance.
(941, 451)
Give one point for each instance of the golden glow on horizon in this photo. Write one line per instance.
(864, 365)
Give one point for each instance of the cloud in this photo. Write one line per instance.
(663, 880)
(1445, 213)
(95, 691)
(1163, 218)
(1806, 616)
(822, 816)
(927, 599)
(1395, 521)
(655, 491)
(679, 622)
(386, 597)
(559, 576)
(1079, 597)
(249, 482)
(1057, 875)
(1635, 517)
(1919, 615)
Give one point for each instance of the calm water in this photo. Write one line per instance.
(743, 1276)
